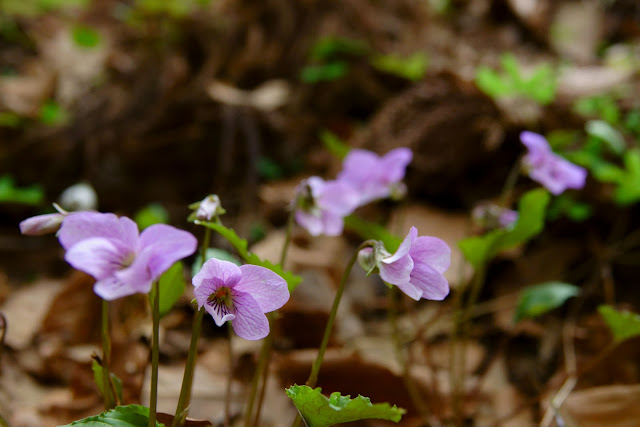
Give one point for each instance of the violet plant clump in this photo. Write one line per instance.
(241, 295)
(121, 259)
(544, 166)
(416, 268)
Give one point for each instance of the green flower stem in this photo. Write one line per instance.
(3, 422)
(187, 380)
(262, 369)
(315, 369)
(107, 390)
(227, 396)
(510, 182)
(155, 355)
(413, 391)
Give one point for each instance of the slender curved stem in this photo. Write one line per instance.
(187, 380)
(315, 369)
(262, 369)
(510, 182)
(155, 355)
(107, 390)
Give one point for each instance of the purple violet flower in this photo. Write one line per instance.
(240, 294)
(375, 177)
(555, 173)
(122, 260)
(322, 205)
(416, 268)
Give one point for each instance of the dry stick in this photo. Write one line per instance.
(413, 391)
(262, 371)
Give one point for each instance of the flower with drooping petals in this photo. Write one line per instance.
(240, 294)
(555, 173)
(417, 267)
(122, 260)
(375, 177)
(322, 205)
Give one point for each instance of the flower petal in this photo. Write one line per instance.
(410, 290)
(397, 272)
(111, 288)
(250, 322)
(432, 251)
(266, 287)
(338, 197)
(167, 245)
(219, 312)
(78, 226)
(404, 247)
(310, 222)
(434, 286)
(98, 257)
(221, 273)
(137, 275)
(394, 164)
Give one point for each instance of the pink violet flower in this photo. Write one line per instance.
(417, 267)
(322, 205)
(122, 260)
(555, 173)
(375, 177)
(241, 295)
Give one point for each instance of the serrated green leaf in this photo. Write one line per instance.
(240, 245)
(334, 144)
(623, 324)
(531, 213)
(121, 416)
(369, 230)
(538, 299)
(320, 411)
(98, 379)
(607, 133)
(171, 286)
